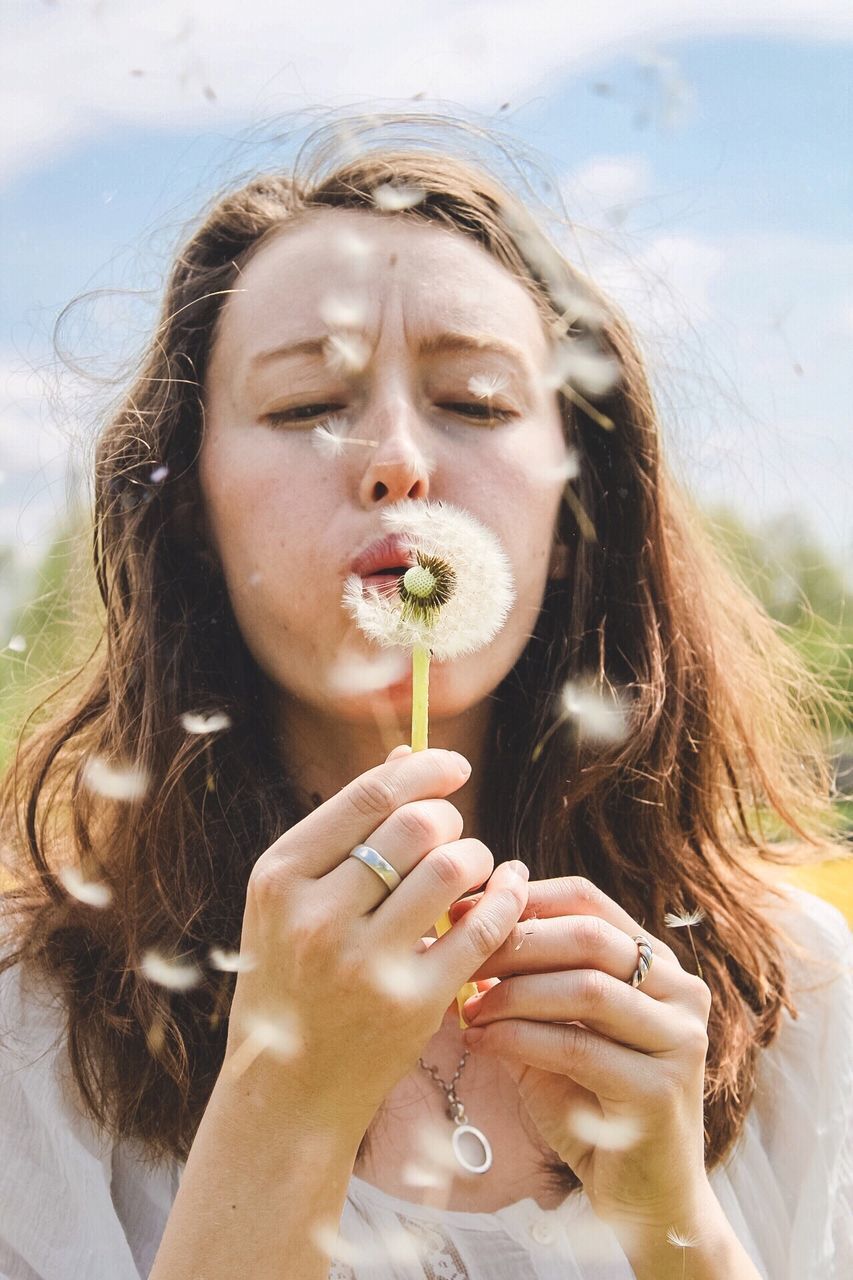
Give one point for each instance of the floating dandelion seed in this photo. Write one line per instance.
(93, 893)
(17, 644)
(395, 973)
(346, 352)
(597, 715)
(327, 1238)
(686, 920)
(418, 1175)
(159, 474)
(682, 1241)
(392, 198)
(584, 366)
(173, 974)
(214, 723)
(339, 311)
(279, 1037)
(113, 781)
(330, 438)
(355, 249)
(568, 468)
(435, 1146)
(353, 674)
(616, 1134)
(231, 961)
(486, 386)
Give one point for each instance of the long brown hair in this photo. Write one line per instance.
(666, 820)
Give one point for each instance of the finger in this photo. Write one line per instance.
(397, 753)
(463, 949)
(325, 837)
(610, 1071)
(600, 1002)
(430, 887)
(413, 831)
(576, 895)
(582, 942)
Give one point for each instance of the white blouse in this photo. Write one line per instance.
(74, 1205)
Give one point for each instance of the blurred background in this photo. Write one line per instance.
(701, 154)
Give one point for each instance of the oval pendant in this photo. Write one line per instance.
(478, 1134)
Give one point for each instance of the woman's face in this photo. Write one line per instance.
(421, 311)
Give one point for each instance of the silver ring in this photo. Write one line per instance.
(377, 863)
(644, 961)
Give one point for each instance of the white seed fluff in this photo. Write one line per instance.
(483, 589)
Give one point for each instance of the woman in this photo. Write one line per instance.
(390, 333)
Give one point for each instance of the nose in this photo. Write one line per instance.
(397, 466)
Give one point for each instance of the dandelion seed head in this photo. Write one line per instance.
(114, 781)
(91, 892)
(611, 1134)
(675, 921)
(176, 975)
(392, 198)
(214, 723)
(231, 961)
(346, 352)
(485, 386)
(483, 587)
(17, 644)
(597, 714)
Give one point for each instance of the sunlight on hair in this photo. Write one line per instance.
(353, 674)
(91, 892)
(279, 1036)
(231, 961)
(392, 198)
(617, 1134)
(571, 298)
(597, 714)
(214, 723)
(340, 311)
(346, 352)
(114, 781)
(176, 975)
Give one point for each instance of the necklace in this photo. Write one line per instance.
(456, 1113)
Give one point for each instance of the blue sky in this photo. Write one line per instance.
(710, 176)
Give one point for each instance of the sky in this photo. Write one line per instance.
(703, 157)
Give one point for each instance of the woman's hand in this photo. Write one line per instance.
(611, 1075)
(342, 995)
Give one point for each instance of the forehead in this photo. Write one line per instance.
(431, 275)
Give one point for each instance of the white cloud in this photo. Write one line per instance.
(72, 71)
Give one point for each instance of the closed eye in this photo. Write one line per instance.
(306, 412)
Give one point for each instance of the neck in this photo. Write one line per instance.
(323, 752)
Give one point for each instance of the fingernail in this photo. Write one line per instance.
(519, 869)
(462, 762)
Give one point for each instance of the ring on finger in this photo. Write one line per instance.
(373, 859)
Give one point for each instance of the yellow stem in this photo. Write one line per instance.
(420, 741)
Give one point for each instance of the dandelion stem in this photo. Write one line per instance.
(420, 741)
(420, 698)
(695, 956)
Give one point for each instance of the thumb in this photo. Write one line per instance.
(398, 752)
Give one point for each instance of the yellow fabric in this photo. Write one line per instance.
(832, 881)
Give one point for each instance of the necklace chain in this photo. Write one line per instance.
(455, 1108)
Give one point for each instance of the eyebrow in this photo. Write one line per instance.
(436, 344)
